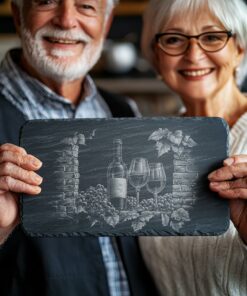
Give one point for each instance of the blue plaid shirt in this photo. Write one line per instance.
(36, 101)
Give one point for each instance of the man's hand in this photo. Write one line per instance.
(230, 182)
(17, 175)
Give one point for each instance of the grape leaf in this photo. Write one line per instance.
(163, 148)
(159, 134)
(176, 138)
(112, 220)
(146, 216)
(138, 225)
(127, 216)
(176, 225)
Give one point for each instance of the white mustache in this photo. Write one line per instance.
(79, 36)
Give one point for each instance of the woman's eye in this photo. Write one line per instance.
(173, 40)
(211, 38)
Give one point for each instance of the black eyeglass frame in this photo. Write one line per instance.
(159, 35)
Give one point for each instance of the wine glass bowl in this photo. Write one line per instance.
(138, 174)
(156, 180)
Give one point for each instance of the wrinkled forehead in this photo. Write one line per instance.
(99, 3)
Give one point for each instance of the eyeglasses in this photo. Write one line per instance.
(176, 44)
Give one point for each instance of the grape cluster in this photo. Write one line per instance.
(94, 202)
(131, 203)
(146, 205)
(165, 202)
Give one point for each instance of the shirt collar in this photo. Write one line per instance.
(10, 65)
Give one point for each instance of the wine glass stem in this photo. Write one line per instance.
(156, 201)
(137, 196)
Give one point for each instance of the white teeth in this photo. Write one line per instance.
(196, 73)
(61, 41)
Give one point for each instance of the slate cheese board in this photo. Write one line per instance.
(125, 177)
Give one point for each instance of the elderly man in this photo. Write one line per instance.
(47, 78)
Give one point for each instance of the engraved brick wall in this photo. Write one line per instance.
(68, 177)
(184, 180)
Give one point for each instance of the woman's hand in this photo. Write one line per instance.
(16, 176)
(230, 182)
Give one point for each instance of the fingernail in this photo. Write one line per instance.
(38, 179)
(228, 161)
(37, 190)
(211, 175)
(37, 163)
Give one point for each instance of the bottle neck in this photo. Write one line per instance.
(117, 150)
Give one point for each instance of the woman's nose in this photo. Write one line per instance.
(194, 51)
(65, 16)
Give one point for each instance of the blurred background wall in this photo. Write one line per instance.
(121, 68)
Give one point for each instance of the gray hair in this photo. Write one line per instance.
(110, 5)
(231, 13)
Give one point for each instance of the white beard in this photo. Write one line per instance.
(57, 65)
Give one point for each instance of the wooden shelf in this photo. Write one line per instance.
(5, 8)
(131, 8)
(135, 7)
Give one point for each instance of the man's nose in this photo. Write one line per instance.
(66, 15)
(194, 51)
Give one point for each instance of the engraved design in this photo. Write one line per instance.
(171, 209)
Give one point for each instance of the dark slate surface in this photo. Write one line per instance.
(76, 155)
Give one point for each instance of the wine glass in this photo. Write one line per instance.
(156, 181)
(138, 174)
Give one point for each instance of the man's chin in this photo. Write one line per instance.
(67, 75)
(62, 69)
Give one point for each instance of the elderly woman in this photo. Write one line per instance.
(198, 47)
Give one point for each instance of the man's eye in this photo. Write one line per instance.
(45, 3)
(86, 6)
(87, 9)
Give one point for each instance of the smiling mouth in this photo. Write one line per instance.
(62, 41)
(196, 73)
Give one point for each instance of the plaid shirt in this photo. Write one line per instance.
(36, 101)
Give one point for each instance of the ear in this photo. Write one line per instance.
(16, 16)
(108, 23)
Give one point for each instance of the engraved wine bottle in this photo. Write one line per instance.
(117, 177)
